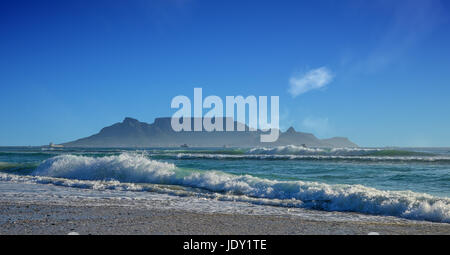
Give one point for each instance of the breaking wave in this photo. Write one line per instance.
(132, 171)
(431, 159)
(299, 150)
(292, 152)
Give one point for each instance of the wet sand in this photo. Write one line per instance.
(40, 218)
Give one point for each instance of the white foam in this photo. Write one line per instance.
(129, 171)
(306, 157)
(126, 167)
(300, 150)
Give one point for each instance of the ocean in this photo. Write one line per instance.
(400, 183)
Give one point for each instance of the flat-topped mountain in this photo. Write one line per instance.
(133, 133)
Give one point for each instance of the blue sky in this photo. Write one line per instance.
(375, 71)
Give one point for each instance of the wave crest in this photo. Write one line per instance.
(134, 168)
(300, 150)
(126, 167)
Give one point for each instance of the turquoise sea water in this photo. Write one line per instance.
(407, 182)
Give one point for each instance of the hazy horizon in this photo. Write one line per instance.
(282, 130)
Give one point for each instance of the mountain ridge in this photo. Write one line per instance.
(133, 133)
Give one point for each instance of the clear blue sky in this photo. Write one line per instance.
(69, 68)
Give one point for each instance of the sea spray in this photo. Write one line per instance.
(300, 150)
(136, 168)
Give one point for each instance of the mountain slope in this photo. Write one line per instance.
(133, 133)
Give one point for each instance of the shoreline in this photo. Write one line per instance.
(36, 218)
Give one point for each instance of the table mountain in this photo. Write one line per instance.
(133, 133)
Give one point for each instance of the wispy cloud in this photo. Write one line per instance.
(313, 79)
(409, 23)
(318, 126)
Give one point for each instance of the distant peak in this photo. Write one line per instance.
(290, 130)
(130, 120)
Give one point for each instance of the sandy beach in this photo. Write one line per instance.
(39, 218)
